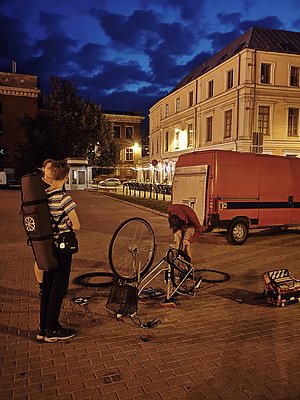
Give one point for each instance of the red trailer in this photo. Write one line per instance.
(235, 191)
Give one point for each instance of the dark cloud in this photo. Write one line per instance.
(220, 40)
(89, 57)
(271, 22)
(114, 75)
(51, 22)
(189, 9)
(14, 40)
(230, 19)
(128, 31)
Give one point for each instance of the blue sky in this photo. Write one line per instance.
(126, 54)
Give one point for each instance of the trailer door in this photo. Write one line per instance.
(295, 194)
(189, 187)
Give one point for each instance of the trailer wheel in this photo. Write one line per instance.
(237, 232)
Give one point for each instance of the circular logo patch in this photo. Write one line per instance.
(29, 224)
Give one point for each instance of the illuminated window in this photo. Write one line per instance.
(117, 131)
(129, 155)
(265, 73)
(177, 104)
(264, 120)
(227, 123)
(293, 121)
(209, 122)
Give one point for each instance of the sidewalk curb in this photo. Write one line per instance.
(132, 204)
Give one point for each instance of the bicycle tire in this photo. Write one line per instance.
(186, 286)
(179, 271)
(85, 279)
(213, 276)
(132, 249)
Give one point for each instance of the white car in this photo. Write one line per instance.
(110, 183)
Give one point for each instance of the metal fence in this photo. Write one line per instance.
(148, 190)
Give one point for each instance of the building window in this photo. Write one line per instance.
(1, 128)
(190, 135)
(191, 98)
(229, 79)
(129, 132)
(265, 73)
(294, 81)
(166, 110)
(293, 121)
(129, 155)
(157, 147)
(166, 141)
(209, 129)
(177, 104)
(227, 124)
(257, 142)
(264, 120)
(152, 148)
(210, 88)
(176, 144)
(117, 131)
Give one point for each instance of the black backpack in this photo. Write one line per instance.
(37, 220)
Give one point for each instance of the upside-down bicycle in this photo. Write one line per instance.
(131, 253)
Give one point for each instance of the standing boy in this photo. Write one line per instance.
(55, 282)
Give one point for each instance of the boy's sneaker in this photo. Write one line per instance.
(41, 334)
(60, 334)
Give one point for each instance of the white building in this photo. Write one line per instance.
(244, 98)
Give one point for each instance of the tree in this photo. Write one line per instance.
(66, 126)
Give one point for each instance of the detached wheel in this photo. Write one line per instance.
(237, 232)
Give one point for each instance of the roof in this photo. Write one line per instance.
(255, 38)
(136, 113)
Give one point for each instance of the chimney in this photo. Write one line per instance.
(14, 66)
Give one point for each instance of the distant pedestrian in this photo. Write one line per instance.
(55, 282)
(185, 225)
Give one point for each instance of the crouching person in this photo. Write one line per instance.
(185, 226)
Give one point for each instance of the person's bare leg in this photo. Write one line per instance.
(38, 273)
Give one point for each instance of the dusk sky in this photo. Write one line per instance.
(127, 54)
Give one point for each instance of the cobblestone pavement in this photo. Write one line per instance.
(225, 343)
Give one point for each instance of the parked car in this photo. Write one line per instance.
(110, 183)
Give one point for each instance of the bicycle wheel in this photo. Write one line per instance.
(132, 249)
(179, 271)
(213, 276)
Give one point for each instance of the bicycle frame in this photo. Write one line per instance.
(156, 270)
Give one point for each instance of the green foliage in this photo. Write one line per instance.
(66, 126)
